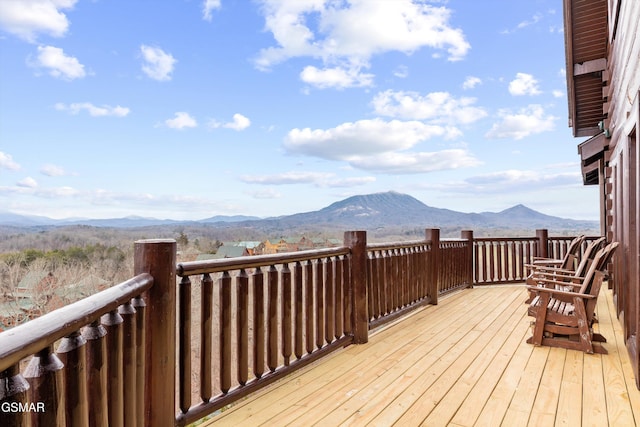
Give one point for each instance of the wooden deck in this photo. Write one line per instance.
(464, 362)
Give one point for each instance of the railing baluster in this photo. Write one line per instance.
(14, 388)
(519, 255)
(242, 326)
(377, 280)
(348, 300)
(309, 307)
(184, 345)
(71, 352)
(141, 357)
(339, 298)
(388, 281)
(297, 273)
(272, 318)
(404, 277)
(499, 267)
(97, 374)
(286, 313)
(319, 291)
(477, 259)
(225, 332)
(206, 337)
(112, 322)
(129, 362)
(329, 301)
(46, 385)
(372, 286)
(258, 323)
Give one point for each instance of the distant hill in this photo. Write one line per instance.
(372, 211)
(227, 218)
(392, 209)
(377, 210)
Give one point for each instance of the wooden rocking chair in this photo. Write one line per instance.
(573, 253)
(564, 274)
(564, 318)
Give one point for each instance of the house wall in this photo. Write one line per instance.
(622, 185)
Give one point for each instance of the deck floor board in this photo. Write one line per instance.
(463, 362)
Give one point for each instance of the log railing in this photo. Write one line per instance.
(260, 318)
(503, 260)
(96, 374)
(398, 279)
(179, 341)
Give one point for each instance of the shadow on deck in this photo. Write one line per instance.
(463, 362)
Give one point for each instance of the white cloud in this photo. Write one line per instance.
(268, 193)
(350, 182)
(28, 182)
(419, 162)
(95, 111)
(59, 64)
(181, 120)
(336, 77)
(319, 179)
(239, 123)
(524, 84)
(471, 82)
(437, 107)
(401, 72)
(511, 181)
(558, 93)
(286, 178)
(526, 23)
(158, 64)
(378, 145)
(534, 20)
(6, 162)
(527, 121)
(348, 33)
(361, 137)
(209, 6)
(53, 170)
(27, 18)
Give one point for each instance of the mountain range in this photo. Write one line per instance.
(372, 211)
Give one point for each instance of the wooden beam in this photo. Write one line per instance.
(588, 67)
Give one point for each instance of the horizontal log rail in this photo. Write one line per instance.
(180, 341)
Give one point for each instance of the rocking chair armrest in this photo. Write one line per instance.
(543, 261)
(560, 293)
(573, 280)
(545, 269)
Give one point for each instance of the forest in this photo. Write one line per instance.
(44, 268)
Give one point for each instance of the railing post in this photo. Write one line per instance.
(158, 258)
(468, 236)
(433, 235)
(357, 242)
(543, 243)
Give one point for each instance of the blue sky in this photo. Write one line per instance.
(186, 109)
